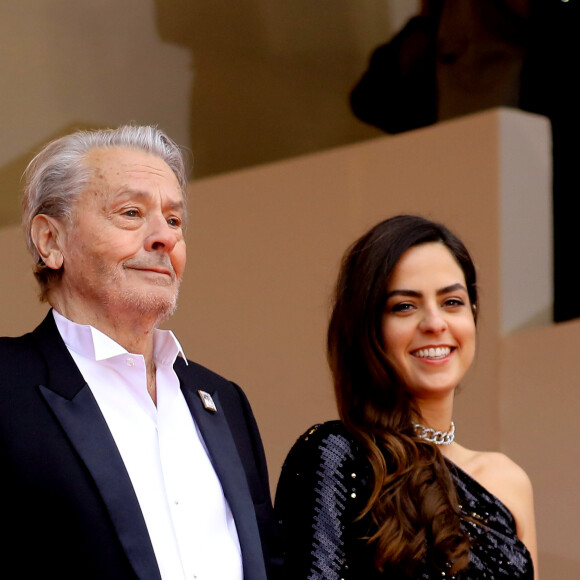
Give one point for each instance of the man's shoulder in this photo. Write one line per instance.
(12, 348)
(198, 377)
(22, 365)
(198, 372)
(15, 345)
(24, 358)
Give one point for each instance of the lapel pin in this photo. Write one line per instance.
(207, 401)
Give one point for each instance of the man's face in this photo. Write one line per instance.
(124, 253)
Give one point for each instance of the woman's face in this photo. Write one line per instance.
(428, 325)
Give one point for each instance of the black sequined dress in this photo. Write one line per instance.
(325, 484)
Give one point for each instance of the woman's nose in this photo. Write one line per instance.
(433, 321)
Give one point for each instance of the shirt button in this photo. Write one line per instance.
(130, 361)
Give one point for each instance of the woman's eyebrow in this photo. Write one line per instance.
(402, 292)
(417, 294)
(451, 288)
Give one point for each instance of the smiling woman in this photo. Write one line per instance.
(387, 492)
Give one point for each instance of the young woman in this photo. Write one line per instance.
(387, 492)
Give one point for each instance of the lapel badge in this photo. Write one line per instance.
(207, 401)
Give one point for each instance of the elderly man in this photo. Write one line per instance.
(121, 459)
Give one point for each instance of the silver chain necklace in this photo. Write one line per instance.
(437, 437)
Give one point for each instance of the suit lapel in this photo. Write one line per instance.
(74, 406)
(224, 456)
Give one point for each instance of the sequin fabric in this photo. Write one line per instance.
(323, 487)
(497, 551)
(330, 502)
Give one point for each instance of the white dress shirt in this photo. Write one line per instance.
(188, 519)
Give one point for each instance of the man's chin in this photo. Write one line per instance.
(160, 304)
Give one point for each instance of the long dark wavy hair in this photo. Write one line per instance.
(413, 504)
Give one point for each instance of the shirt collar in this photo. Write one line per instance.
(93, 344)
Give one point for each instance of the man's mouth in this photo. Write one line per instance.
(156, 269)
(432, 352)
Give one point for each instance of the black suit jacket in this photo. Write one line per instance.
(68, 507)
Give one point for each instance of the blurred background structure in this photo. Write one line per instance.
(239, 83)
(253, 81)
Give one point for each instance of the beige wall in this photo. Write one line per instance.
(264, 247)
(539, 407)
(266, 243)
(240, 83)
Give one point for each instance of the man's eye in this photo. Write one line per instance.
(175, 222)
(131, 213)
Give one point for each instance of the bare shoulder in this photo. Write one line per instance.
(507, 481)
(494, 471)
(500, 475)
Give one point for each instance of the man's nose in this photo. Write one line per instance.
(161, 236)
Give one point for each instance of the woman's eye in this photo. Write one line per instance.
(454, 302)
(403, 307)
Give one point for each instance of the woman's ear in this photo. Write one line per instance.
(45, 232)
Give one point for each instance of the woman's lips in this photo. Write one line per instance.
(433, 352)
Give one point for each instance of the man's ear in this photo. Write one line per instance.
(45, 232)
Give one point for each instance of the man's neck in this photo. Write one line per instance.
(133, 331)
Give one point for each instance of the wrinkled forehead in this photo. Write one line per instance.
(114, 163)
(115, 170)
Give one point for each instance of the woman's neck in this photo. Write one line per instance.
(436, 413)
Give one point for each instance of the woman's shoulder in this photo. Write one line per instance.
(506, 480)
(321, 431)
(324, 439)
(496, 472)
(325, 462)
(327, 451)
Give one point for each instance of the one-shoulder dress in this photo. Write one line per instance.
(325, 484)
